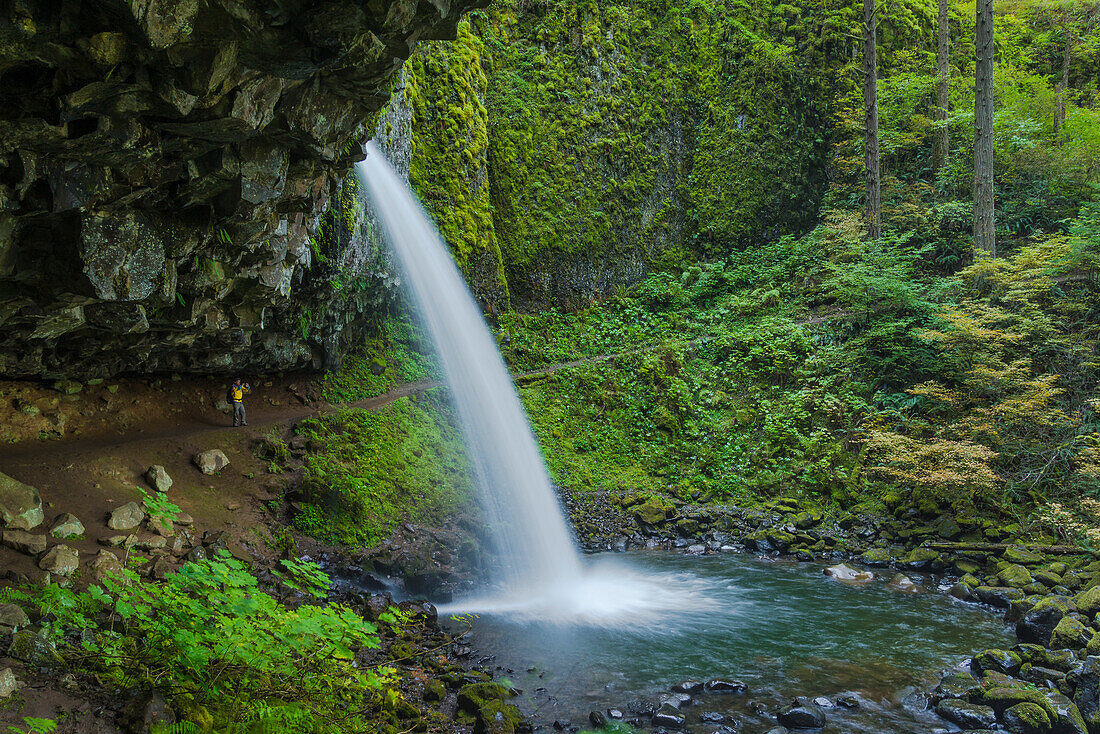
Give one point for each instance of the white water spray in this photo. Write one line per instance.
(543, 576)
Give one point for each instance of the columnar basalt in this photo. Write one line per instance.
(163, 168)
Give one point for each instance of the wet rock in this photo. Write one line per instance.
(1039, 622)
(615, 714)
(196, 554)
(1086, 682)
(967, 715)
(127, 517)
(473, 696)
(711, 717)
(158, 478)
(211, 462)
(1047, 577)
(1027, 718)
(641, 707)
(668, 716)
(876, 557)
(24, 542)
(957, 685)
(20, 505)
(724, 685)
(66, 526)
(901, 582)
(844, 572)
(687, 686)
(598, 719)
(1065, 714)
(847, 701)
(823, 702)
(779, 730)
(8, 684)
(12, 617)
(920, 558)
(1088, 601)
(1003, 661)
(61, 560)
(998, 596)
(962, 592)
(803, 715)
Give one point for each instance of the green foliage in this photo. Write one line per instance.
(370, 471)
(160, 508)
(400, 353)
(220, 647)
(35, 726)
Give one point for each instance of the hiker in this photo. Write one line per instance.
(236, 399)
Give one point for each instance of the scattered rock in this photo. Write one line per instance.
(1019, 554)
(724, 685)
(844, 572)
(1027, 718)
(32, 648)
(1015, 576)
(668, 716)
(66, 526)
(967, 715)
(598, 719)
(127, 517)
(20, 504)
(24, 542)
(12, 617)
(804, 715)
(8, 684)
(184, 519)
(61, 560)
(876, 557)
(106, 565)
(158, 478)
(1039, 622)
(212, 461)
(848, 701)
(901, 582)
(1002, 661)
(687, 686)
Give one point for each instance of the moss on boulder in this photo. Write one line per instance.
(1027, 718)
(1015, 576)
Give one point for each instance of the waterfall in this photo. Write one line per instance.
(542, 577)
(527, 522)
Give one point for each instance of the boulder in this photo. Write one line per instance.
(1088, 601)
(967, 715)
(107, 566)
(24, 542)
(668, 716)
(1069, 634)
(724, 685)
(1024, 557)
(807, 519)
(61, 560)
(8, 684)
(20, 504)
(920, 558)
(473, 696)
(1039, 622)
(31, 647)
(901, 582)
(127, 517)
(844, 572)
(1086, 694)
(998, 596)
(803, 715)
(1027, 718)
(687, 686)
(158, 478)
(876, 557)
(1015, 576)
(1002, 661)
(12, 617)
(211, 462)
(66, 526)
(957, 685)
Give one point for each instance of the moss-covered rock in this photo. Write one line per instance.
(1027, 718)
(472, 697)
(1004, 661)
(876, 557)
(498, 717)
(1069, 634)
(653, 511)
(920, 558)
(1014, 575)
(1088, 601)
(1024, 557)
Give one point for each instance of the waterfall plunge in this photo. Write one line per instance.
(542, 577)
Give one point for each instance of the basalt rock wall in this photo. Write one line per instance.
(164, 165)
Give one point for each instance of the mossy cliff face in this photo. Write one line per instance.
(163, 165)
(564, 146)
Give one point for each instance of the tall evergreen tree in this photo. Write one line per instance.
(984, 237)
(941, 142)
(870, 119)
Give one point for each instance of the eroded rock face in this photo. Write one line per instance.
(163, 166)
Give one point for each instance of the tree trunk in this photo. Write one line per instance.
(1063, 89)
(870, 118)
(984, 237)
(941, 143)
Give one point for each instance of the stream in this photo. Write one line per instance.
(781, 627)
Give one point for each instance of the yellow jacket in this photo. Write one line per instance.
(238, 392)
